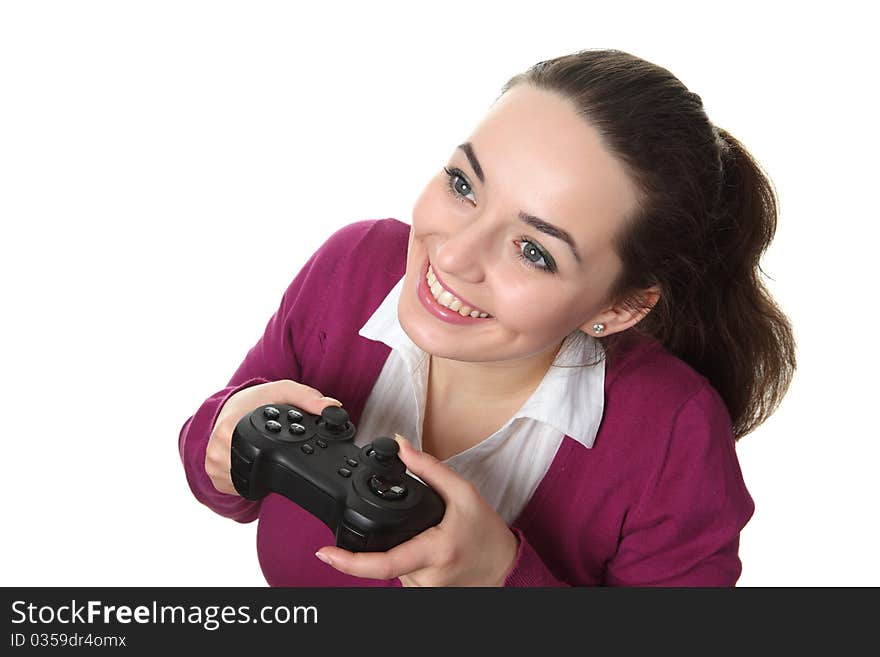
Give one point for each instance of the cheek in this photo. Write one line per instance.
(428, 205)
(533, 307)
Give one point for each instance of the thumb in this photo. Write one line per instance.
(304, 397)
(429, 469)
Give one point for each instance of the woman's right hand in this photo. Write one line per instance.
(218, 457)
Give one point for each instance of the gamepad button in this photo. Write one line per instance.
(387, 490)
(271, 413)
(294, 415)
(273, 426)
(308, 449)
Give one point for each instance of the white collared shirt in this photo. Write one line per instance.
(507, 466)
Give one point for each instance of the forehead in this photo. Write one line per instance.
(540, 156)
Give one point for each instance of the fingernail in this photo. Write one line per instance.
(330, 399)
(399, 437)
(324, 558)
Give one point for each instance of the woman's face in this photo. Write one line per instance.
(532, 155)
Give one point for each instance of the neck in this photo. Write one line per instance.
(453, 382)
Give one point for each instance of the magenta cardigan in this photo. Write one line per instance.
(659, 500)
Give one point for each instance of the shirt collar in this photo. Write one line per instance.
(571, 399)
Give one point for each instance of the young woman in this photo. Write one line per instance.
(569, 338)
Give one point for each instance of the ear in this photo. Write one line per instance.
(620, 318)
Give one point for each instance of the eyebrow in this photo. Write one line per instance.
(539, 224)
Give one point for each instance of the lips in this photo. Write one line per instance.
(441, 312)
(446, 287)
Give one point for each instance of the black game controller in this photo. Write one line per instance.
(362, 493)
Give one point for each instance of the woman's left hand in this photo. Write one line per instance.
(471, 546)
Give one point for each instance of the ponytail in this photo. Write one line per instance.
(741, 341)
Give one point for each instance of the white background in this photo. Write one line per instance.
(167, 167)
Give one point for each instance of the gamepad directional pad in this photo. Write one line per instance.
(362, 493)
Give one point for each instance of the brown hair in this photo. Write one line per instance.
(706, 213)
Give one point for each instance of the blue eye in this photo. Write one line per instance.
(460, 189)
(533, 250)
(454, 175)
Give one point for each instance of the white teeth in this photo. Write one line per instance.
(447, 299)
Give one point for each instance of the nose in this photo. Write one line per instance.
(463, 255)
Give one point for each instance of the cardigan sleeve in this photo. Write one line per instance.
(275, 356)
(685, 529)
(528, 569)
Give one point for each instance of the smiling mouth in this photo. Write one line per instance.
(448, 299)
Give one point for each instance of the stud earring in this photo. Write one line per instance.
(598, 328)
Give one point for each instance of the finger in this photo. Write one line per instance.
(229, 489)
(402, 559)
(439, 476)
(224, 486)
(304, 397)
